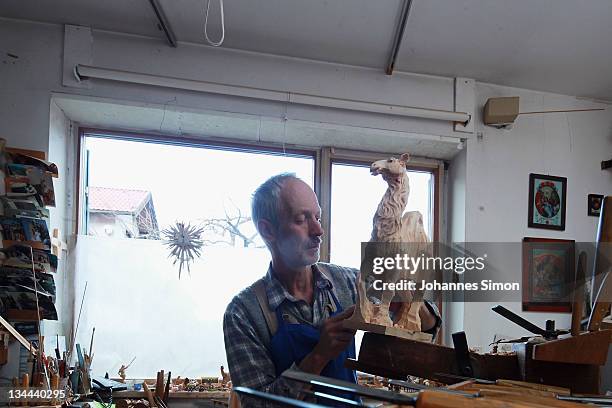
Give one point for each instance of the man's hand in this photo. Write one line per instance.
(334, 339)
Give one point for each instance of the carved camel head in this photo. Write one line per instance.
(392, 170)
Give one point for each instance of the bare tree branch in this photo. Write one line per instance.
(232, 226)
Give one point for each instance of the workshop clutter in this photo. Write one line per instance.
(28, 262)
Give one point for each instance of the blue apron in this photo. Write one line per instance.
(294, 341)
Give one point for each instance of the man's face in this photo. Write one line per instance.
(299, 234)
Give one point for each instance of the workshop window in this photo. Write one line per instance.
(355, 196)
(134, 298)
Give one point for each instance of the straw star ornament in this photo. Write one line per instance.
(185, 244)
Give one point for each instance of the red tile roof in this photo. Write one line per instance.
(116, 199)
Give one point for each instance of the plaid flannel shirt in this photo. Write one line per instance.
(247, 337)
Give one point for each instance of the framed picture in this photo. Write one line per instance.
(548, 274)
(547, 201)
(594, 202)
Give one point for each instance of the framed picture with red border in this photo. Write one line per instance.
(547, 201)
(548, 274)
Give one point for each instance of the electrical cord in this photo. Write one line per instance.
(211, 42)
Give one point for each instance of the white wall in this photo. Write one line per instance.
(26, 81)
(112, 225)
(457, 184)
(453, 312)
(59, 137)
(571, 145)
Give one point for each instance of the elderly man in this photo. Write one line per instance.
(292, 317)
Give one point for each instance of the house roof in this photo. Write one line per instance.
(107, 199)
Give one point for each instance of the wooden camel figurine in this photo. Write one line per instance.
(394, 228)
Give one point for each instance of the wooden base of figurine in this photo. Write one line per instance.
(375, 318)
(386, 330)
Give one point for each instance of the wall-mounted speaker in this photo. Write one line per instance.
(501, 112)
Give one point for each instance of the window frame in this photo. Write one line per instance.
(332, 156)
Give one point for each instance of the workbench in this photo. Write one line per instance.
(182, 399)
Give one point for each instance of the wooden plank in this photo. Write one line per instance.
(482, 388)
(579, 378)
(4, 344)
(396, 358)
(502, 394)
(149, 394)
(25, 383)
(34, 153)
(24, 342)
(603, 255)
(159, 384)
(586, 348)
(35, 158)
(381, 355)
(386, 330)
(605, 222)
(578, 306)
(535, 386)
(45, 406)
(23, 315)
(374, 369)
(437, 399)
(7, 243)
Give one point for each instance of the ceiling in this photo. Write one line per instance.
(562, 46)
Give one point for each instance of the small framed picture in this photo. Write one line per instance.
(547, 202)
(594, 204)
(548, 274)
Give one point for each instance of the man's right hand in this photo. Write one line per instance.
(334, 336)
(334, 339)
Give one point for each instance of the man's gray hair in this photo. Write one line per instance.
(266, 203)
